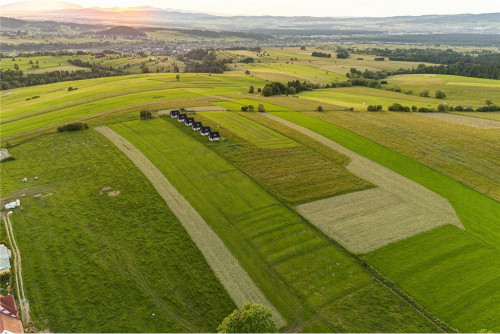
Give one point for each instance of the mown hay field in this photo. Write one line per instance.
(88, 256)
(476, 122)
(303, 172)
(462, 152)
(232, 276)
(440, 267)
(297, 268)
(464, 91)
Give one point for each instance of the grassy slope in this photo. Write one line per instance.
(451, 276)
(464, 153)
(299, 270)
(294, 173)
(95, 263)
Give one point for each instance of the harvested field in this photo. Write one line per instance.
(402, 208)
(226, 267)
(464, 120)
(202, 108)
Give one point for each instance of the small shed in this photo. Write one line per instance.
(214, 136)
(197, 126)
(189, 121)
(205, 130)
(4, 260)
(174, 113)
(181, 117)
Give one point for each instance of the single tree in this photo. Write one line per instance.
(251, 108)
(424, 93)
(145, 114)
(251, 90)
(178, 77)
(253, 318)
(320, 108)
(261, 108)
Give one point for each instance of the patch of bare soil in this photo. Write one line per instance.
(114, 193)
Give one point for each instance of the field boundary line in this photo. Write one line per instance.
(226, 267)
(23, 304)
(431, 210)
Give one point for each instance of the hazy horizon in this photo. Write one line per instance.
(318, 8)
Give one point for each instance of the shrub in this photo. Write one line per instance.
(259, 90)
(488, 108)
(409, 92)
(424, 93)
(423, 109)
(396, 107)
(414, 108)
(73, 127)
(251, 90)
(71, 88)
(459, 108)
(440, 94)
(247, 71)
(379, 58)
(383, 82)
(371, 108)
(145, 114)
(251, 108)
(261, 108)
(320, 108)
(244, 108)
(468, 109)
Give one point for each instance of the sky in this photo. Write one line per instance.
(334, 8)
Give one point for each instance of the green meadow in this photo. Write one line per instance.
(301, 272)
(443, 277)
(125, 260)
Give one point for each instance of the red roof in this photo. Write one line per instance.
(9, 317)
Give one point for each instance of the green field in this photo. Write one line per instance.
(436, 277)
(247, 219)
(86, 257)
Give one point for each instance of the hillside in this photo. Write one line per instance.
(121, 31)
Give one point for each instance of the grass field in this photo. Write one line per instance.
(464, 153)
(274, 245)
(86, 257)
(442, 268)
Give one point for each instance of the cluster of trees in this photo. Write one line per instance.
(73, 127)
(321, 54)
(442, 108)
(145, 114)
(253, 318)
(209, 63)
(250, 107)
(291, 88)
(366, 78)
(374, 108)
(342, 54)
(14, 79)
(247, 60)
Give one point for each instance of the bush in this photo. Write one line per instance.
(414, 108)
(73, 127)
(253, 318)
(459, 108)
(488, 108)
(468, 109)
(373, 108)
(71, 88)
(145, 114)
(251, 90)
(244, 108)
(320, 108)
(383, 82)
(261, 108)
(379, 58)
(423, 109)
(247, 72)
(440, 94)
(259, 90)
(251, 108)
(424, 93)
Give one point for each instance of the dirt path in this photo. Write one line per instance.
(18, 273)
(475, 122)
(366, 220)
(226, 267)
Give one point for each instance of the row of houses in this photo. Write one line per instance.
(196, 126)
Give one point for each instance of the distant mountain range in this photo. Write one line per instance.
(150, 16)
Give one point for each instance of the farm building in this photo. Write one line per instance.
(181, 118)
(197, 126)
(9, 317)
(174, 113)
(189, 121)
(205, 130)
(4, 259)
(214, 136)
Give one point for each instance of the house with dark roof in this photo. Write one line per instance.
(205, 130)
(9, 317)
(197, 126)
(181, 117)
(214, 136)
(189, 121)
(174, 113)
